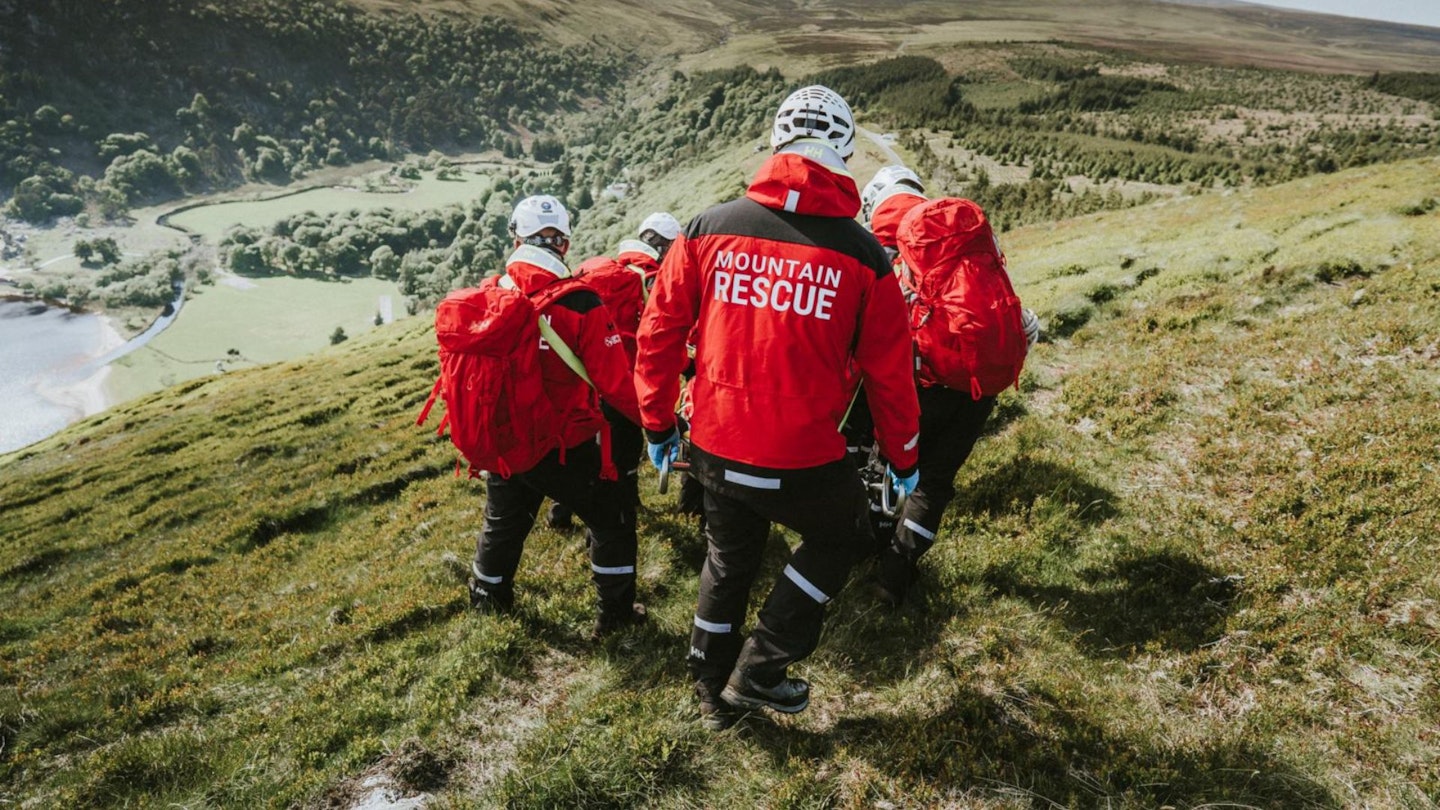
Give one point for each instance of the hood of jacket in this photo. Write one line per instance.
(806, 177)
(531, 269)
(885, 220)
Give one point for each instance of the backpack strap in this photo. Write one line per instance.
(644, 288)
(907, 281)
(608, 472)
(563, 351)
(855, 397)
(430, 403)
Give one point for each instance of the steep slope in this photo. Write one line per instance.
(1192, 564)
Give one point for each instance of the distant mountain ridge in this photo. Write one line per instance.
(1243, 4)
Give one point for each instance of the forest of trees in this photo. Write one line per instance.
(427, 252)
(149, 281)
(432, 252)
(1113, 127)
(192, 96)
(1420, 86)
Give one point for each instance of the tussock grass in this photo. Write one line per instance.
(1191, 564)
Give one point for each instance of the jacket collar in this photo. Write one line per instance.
(639, 255)
(636, 246)
(806, 177)
(531, 268)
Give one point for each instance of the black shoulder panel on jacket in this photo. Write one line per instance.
(745, 217)
(581, 301)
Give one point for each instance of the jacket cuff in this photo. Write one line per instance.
(659, 436)
(908, 471)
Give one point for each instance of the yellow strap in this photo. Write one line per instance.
(558, 346)
(644, 289)
(855, 397)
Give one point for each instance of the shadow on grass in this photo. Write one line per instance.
(1018, 483)
(1163, 598)
(878, 644)
(678, 534)
(1008, 409)
(1034, 748)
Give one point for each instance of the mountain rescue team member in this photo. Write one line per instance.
(787, 289)
(571, 474)
(951, 421)
(641, 256)
(659, 231)
(882, 214)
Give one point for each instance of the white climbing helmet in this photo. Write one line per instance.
(889, 180)
(815, 112)
(534, 214)
(665, 226)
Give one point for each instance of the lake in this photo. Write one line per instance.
(47, 349)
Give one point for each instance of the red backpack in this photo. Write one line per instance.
(495, 404)
(622, 287)
(964, 313)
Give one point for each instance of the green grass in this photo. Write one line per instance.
(265, 319)
(1191, 565)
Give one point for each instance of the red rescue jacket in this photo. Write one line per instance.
(583, 322)
(885, 219)
(786, 289)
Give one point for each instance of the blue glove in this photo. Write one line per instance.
(663, 452)
(905, 485)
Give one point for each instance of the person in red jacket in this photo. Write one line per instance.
(950, 421)
(787, 290)
(886, 199)
(571, 474)
(623, 284)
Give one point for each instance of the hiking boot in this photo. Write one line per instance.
(893, 577)
(715, 713)
(788, 695)
(560, 518)
(608, 623)
(489, 600)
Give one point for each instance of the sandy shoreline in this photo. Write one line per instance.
(88, 396)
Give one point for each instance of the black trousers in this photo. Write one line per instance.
(826, 505)
(627, 443)
(950, 423)
(512, 504)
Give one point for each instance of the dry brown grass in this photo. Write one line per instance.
(799, 38)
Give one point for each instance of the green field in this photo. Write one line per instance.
(272, 319)
(212, 220)
(266, 319)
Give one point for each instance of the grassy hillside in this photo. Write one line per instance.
(1193, 565)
